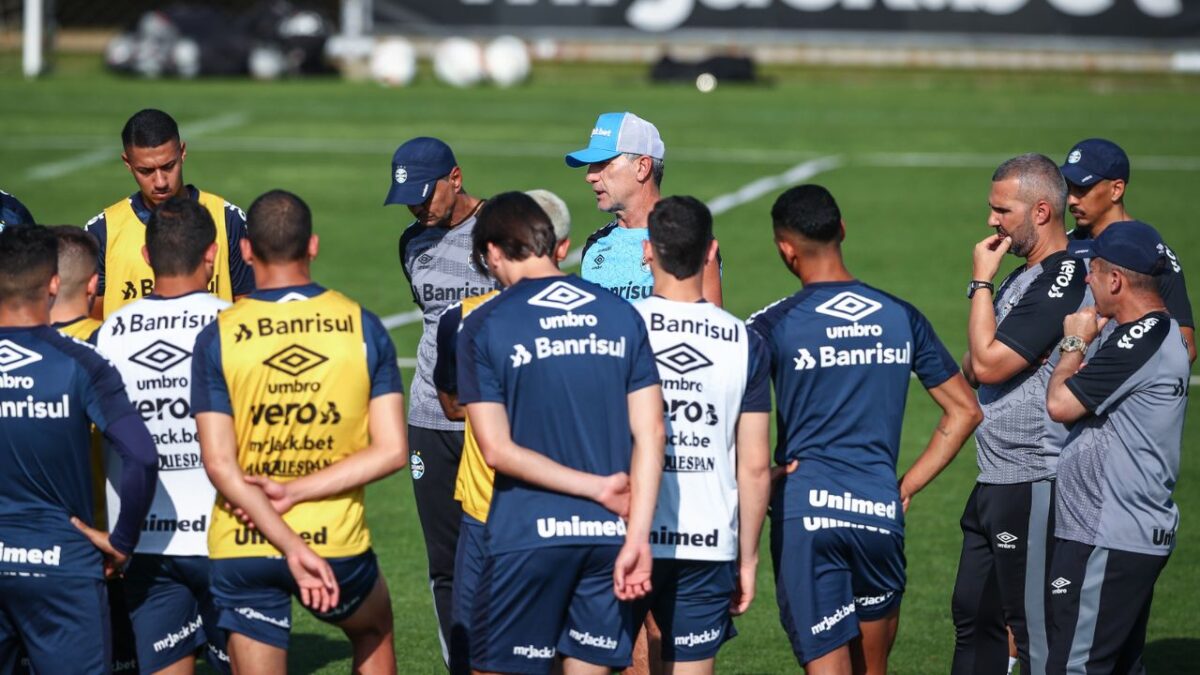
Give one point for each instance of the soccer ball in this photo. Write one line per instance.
(458, 62)
(393, 62)
(507, 61)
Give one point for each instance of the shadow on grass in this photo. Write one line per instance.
(1172, 655)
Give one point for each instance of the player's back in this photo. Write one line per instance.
(561, 354)
(841, 355)
(51, 388)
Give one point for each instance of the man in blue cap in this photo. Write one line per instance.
(434, 253)
(13, 212)
(1115, 518)
(1097, 173)
(624, 160)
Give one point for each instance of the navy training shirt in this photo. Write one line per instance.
(561, 354)
(841, 354)
(52, 388)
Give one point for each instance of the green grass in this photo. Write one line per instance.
(910, 231)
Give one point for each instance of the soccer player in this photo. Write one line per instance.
(78, 283)
(473, 485)
(624, 160)
(1116, 518)
(841, 356)
(154, 154)
(434, 253)
(1097, 173)
(716, 477)
(559, 384)
(150, 341)
(1008, 522)
(13, 212)
(299, 404)
(53, 601)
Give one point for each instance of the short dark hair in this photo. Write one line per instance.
(681, 229)
(809, 211)
(78, 259)
(179, 232)
(29, 258)
(513, 222)
(279, 225)
(149, 128)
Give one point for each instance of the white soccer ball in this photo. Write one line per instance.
(266, 63)
(393, 62)
(507, 61)
(458, 62)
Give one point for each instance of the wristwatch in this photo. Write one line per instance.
(1072, 343)
(976, 285)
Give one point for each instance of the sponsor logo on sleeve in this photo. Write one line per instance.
(1136, 331)
(1066, 272)
(1006, 541)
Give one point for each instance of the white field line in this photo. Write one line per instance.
(972, 160)
(109, 152)
(718, 205)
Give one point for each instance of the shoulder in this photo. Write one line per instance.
(600, 234)
(1140, 339)
(766, 319)
(85, 355)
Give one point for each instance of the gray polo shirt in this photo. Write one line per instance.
(436, 261)
(1017, 441)
(1121, 461)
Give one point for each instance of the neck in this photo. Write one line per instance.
(464, 206)
(636, 215)
(690, 289)
(25, 314)
(1114, 215)
(173, 287)
(531, 268)
(1052, 240)
(1136, 306)
(65, 309)
(819, 266)
(281, 275)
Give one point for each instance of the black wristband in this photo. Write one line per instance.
(976, 285)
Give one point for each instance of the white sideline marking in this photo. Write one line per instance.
(718, 205)
(971, 160)
(100, 155)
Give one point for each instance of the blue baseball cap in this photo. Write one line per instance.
(416, 167)
(1133, 245)
(1094, 160)
(616, 133)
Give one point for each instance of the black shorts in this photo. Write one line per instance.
(1100, 603)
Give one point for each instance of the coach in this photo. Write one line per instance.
(1008, 521)
(434, 253)
(1097, 173)
(1116, 519)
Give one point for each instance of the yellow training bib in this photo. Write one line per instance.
(473, 485)
(127, 277)
(300, 390)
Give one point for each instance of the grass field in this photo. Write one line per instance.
(908, 156)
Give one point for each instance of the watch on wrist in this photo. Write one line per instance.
(1072, 343)
(976, 285)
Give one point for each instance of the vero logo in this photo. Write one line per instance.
(849, 306)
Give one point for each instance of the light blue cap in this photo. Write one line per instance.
(616, 133)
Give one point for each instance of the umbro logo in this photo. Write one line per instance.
(1060, 586)
(424, 259)
(520, 356)
(682, 358)
(1006, 540)
(805, 360)
(295, 360)
(160, 356)
(599, 260)
(561, 295)
(13, 356)
(849, 306)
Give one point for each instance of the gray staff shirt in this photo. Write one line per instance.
(1017, 441)
(1121, 461)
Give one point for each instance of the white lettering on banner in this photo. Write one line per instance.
(30, 556)
(553, 527)
(831, 621)
(588, 640)
(848, 502)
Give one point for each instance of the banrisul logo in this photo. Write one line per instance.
(849, 306)
(561, 295)
(13, 356)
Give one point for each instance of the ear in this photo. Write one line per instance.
(146, 253)
(182, 151)
(125, 159)
(841, 231)
(210, 254)
(711, 256)
(787, 251)
(645, 168)
(1118, 191)
(314, 246)
(93, 286)
(562, 249)
(52, 288)
(647, 251)
(1042, 212)
(247, 251)
(455, 178)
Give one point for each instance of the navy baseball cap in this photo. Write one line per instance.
(416, 167)
(1133, 245)
(616, 133)
(1094, 160)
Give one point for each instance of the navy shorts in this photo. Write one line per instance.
(254, 595)
(829, 579)
(690, 603)
(468, 563)
(59, 622)
(534, 605)
(172, 611)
